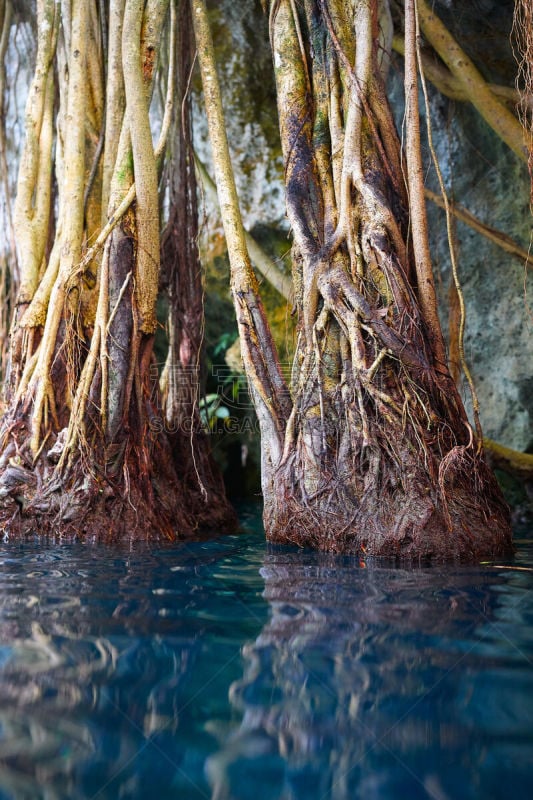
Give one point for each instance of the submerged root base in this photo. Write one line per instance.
(416, 538)
(471, 522)
(82, 514)
(139, 503)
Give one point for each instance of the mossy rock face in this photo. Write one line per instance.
(244, 62)
(483, 28)
(487, 178)
(220, 316)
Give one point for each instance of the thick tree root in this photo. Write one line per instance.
(90, 503)
(401, 516)
(92, 514)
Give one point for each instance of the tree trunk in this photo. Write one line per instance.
(85, 447)
(379, 455)
(183, 380)
(373, 452)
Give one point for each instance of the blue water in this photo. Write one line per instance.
(229, 670)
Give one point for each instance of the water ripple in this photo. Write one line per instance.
(230, 670)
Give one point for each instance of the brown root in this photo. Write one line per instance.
(379, 457)
(398, 513)
(116, 497)
(85, 450)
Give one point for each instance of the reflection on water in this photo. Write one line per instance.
(228, 671)
(113, 664)
(384, 683)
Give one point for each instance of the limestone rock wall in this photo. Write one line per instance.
(483, 175)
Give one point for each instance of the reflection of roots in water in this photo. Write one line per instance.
(69, 701)
(296, 704)
(44, 680)
(328, 679)
(27, 744)
(79, 658)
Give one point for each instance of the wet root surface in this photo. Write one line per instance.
(463, 521)
(133, 501)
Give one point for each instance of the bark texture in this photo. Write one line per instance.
(369, 449)
(379, 456)
(183, 281)
(85, 446)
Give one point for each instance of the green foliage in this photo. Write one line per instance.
(225, 341)
(212, 409)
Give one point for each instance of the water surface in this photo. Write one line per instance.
(229, 670)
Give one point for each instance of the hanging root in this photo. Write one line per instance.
(453, 259)
(500, 119)
(523, 36)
